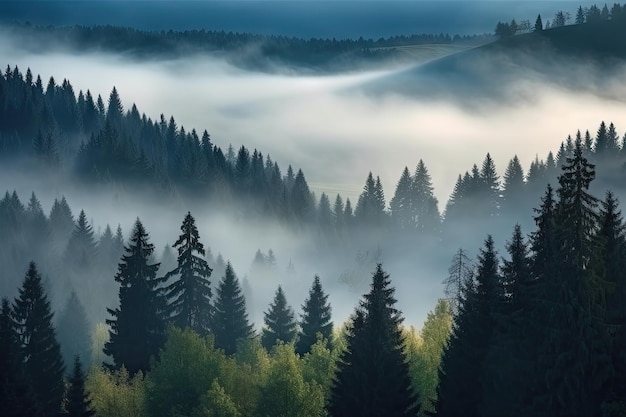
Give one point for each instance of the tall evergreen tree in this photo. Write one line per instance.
(428, 218)
(465, 354)
(16, 396)
(280, 324)
(230, 319)
(190, 294)
(402, 206)
(40, 350)
(77, 402)
(73, 331)
(137, 327)
(372, 377)
(316, 319)
(81, 249)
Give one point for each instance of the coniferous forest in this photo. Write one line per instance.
(161, 317)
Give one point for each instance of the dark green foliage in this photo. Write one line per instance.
(464, 357)
(77, 402)
(81, 249)
(370, 209)
(316, 319)
(230, 319)
(189, 295)
(74, 331)
(372, 377)
(42, 361)
(16, 396)
(280, 324)
(538, 24)
(137, 330)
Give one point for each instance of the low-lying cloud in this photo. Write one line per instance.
(324, 125)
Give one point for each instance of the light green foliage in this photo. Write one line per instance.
(424, 352)
(216, 403)
(318, 366)
(99, 337)
(285, 393)
(116, 394)
(187, 367)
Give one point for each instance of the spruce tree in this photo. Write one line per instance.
(464, 357)
(316, 319)
(189, 295)
(428, 218)
(74, 331)
(39, 348)
(372, 377)
(230, 319)
(280, 324)
(574, 374)
(402, 206)
(16, 395)
(137, 326)
(81, 249)
(77, 402)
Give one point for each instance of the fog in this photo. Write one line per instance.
(331, 129)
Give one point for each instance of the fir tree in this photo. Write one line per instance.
(16, 396)
(464, 356)
(77, 402)
(137, 330)
(280, 324)
(81, 249)
(372, 377)
(190, 294)
(230, 319)
(402, 206)
(73, 331)
(316, 319)
(428, 218)
(43, 363)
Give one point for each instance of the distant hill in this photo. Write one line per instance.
(576, 56)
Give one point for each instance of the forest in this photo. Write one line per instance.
(98, 321)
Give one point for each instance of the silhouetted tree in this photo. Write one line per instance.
(230, 319)
(372, 377)
(315, 319)
(190, 294)
(39, 348)
(280, 324)
(137, 329)
(77, 402)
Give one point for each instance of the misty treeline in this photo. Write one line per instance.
(591, 14)
(174, 348)
(538, 332)
(253, 51)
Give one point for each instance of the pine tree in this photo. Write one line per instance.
(43, 363)
(538, 24)
(580, 16)
(460, 271)
(513, 194)
(77, 402)
(372, 377)
(280, 324)
(402, 206)
(316, 319)
(81, 249)
(428, 218)
(73, 331)
(16, 396)
(573, 373)
(190, 294)
(230, 319)
(464, 358)
(137, 330)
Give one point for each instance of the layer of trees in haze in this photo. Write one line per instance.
(246, 50)
(101, 322)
